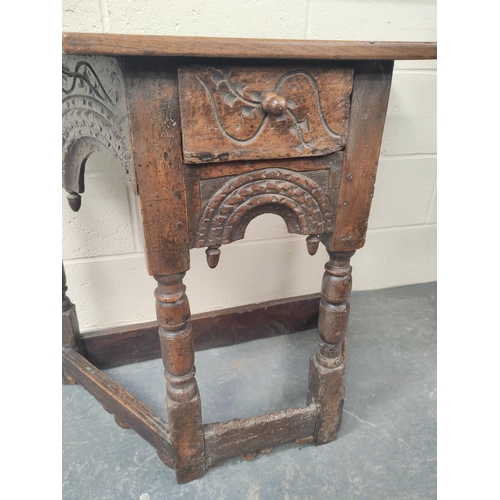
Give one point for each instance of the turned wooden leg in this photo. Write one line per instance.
(327, 367)
(183, 399)
(70, 329)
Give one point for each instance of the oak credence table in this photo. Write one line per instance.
(211, 133)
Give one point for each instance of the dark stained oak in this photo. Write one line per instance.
(285, 127)
(153, 104)
(301, 199)
(127, 409)
(94, 118)
(203, 182)
(327, 368)
(70, 330)
(153, 45)
(233, 113)
(273, 104)
(183, 398)
(249, 436)
(152, 96)
(372, 83)
(123, 345)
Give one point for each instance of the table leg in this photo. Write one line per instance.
(183, 399)
(70, 329)
(327, 367)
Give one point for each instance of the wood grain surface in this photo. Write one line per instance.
(370, 97)
(153, 45)
(247, 436)
(153, 104)
(223, 116)
(123, 345)
(117, 400)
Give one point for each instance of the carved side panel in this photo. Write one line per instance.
(94, 118)
(229, 204)
(223, 117)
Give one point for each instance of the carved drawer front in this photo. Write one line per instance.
(253, 113)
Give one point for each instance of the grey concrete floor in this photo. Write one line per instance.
(386, 448)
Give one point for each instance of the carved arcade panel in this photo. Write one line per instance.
(300, 198)
(94, 118)
(268, 112)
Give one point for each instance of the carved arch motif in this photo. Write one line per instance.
(299, 200)
(94, 118)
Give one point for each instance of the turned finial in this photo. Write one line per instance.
(74, 200)
(273, 103)
(213, 254)
(312, 242)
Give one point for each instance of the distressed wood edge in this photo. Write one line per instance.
(130, 344)
(368, 113)
(241, 436)
(157, 150)
(94, 119)
(115, 399)
(113, 44)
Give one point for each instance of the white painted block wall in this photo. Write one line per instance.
(103, 249)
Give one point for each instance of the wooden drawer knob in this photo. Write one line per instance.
(273, 103)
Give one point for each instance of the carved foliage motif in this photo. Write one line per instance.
(94, 117)
(301, 202)
(226, 104)
(250, 107)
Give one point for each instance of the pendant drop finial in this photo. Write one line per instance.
(74, 200)
(213, 254)
(312, 243)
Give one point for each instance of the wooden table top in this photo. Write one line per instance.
(153, 45)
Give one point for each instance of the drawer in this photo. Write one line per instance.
(252, 113)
